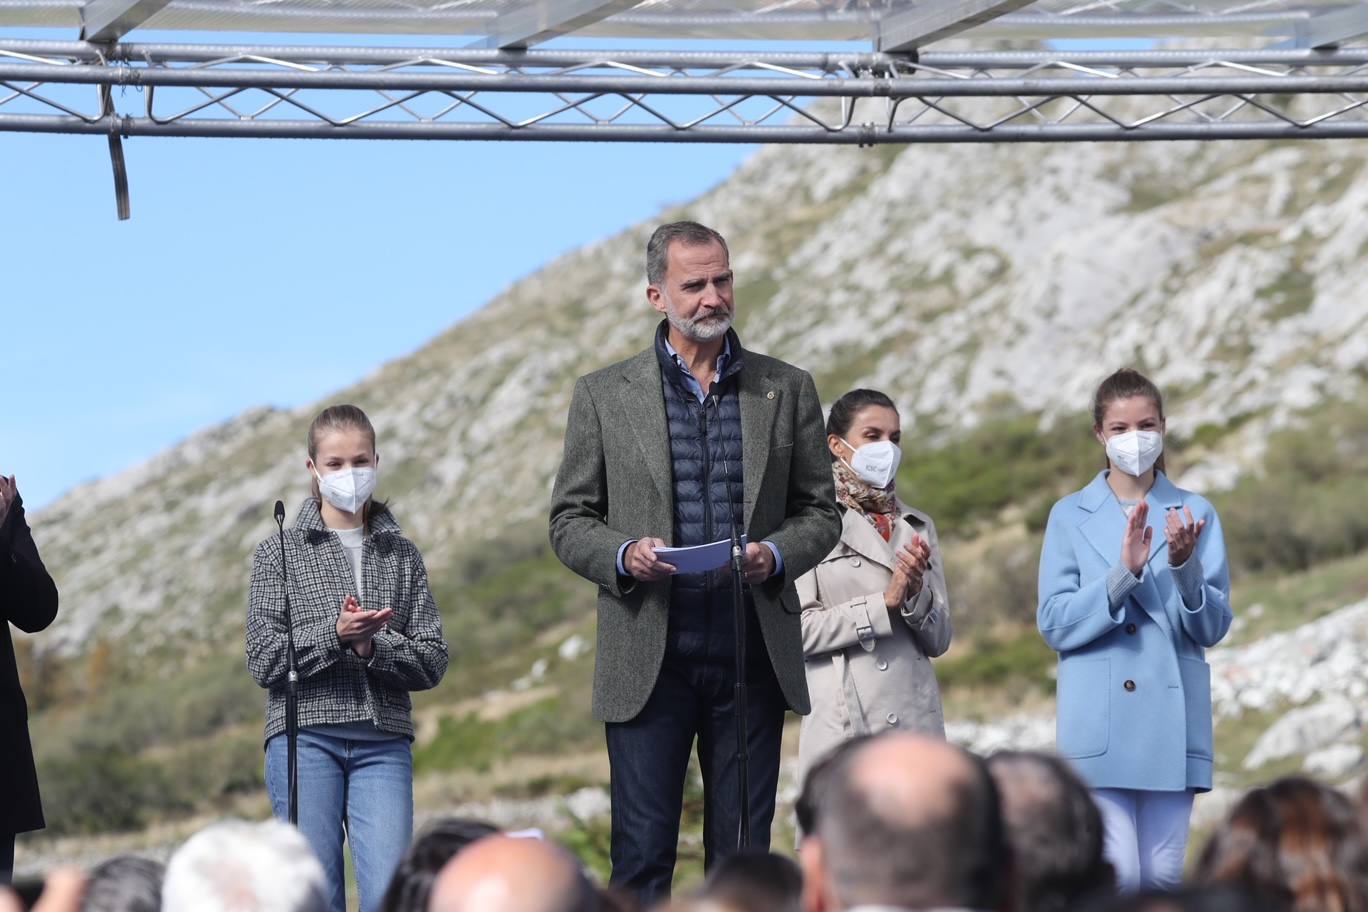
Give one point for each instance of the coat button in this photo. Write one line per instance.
(1129, 685)
(854, 562)
(892, 718)
(1130, 628)
(881, 665)
(769, 395)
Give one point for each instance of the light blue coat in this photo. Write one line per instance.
(1134, 690)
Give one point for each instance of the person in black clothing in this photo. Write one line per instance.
(28, 600)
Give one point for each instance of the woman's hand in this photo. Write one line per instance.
(913, 559)
(1182, 530)
(356, 626)
(1135, 544)
(9, 492)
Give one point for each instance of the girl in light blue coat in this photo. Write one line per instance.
(1133, 588)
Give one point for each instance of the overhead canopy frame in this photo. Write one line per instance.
(1018, 70)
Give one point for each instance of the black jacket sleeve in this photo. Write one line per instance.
(28, 597)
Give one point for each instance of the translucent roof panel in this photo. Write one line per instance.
(494, 22)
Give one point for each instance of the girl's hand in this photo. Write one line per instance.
(356, 625)
(1182, 530)
(9, 492)
(1135, 544)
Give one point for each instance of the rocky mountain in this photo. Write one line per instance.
(984, 287)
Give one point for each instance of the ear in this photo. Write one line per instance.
(835, 444)
(1097, 432)
(656, 297)
(812, 859)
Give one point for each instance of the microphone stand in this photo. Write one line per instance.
(740, 693)
(291, 679)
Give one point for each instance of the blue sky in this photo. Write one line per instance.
(268, 271)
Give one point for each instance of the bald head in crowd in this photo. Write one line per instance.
(512, 874)
(908, 822)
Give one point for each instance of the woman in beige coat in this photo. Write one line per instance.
(875, 610)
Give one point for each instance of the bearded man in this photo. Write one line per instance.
(671, 448)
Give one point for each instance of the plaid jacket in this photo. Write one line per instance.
(335, 684)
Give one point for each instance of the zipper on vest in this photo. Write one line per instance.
(707, 474)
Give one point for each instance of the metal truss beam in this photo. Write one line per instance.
(110, 20)
(1334, 28)
(936, 20)
(647, 96)
(536, 21)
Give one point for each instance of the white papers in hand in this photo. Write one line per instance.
(699, 558)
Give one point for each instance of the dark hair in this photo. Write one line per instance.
(816, 781)
(1185, 899)
(1055, 830)
(124, 883)
(1125, 384)
(691, 234)
(1296, 843)
(431, 850)
(960, 858)
(753, 880)
(844, 410)
(337, 418)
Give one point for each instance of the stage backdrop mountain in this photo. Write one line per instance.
(987, 289)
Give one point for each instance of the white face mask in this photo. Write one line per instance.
(347, 489)
(1135, 452)
(876, 463)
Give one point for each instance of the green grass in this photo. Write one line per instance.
(1011, 661)
(1273, 602)
(1006, 460)
(1292, 293)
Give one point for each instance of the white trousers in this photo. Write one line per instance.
(1146, 836)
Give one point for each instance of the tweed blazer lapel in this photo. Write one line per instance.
(759, 398)
(643, 401)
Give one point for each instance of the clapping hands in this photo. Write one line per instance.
(9, 493)
(914, 559)
(1182, 531)
(357, 626)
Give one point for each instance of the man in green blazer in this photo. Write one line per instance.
(670, 448)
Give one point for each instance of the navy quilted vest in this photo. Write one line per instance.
(705, 451)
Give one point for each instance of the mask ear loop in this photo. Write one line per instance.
(844, 461)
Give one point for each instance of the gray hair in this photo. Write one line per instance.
(236, 866)
(124, 883)
(691, 234)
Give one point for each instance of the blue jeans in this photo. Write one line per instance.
(365, 787)
(649, 758)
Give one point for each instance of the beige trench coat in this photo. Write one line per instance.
(866, 672)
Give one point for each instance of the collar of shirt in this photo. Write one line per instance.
(690, 380)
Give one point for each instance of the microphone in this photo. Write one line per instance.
(291, 680)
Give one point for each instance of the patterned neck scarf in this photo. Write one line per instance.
(874, 504)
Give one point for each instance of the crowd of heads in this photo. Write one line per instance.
(893, 821)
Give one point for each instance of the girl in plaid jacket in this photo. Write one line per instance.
(366, 632)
